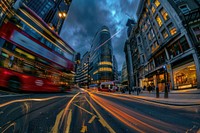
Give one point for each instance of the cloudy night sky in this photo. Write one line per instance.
(85, 17)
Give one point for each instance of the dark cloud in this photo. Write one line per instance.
(85, 17)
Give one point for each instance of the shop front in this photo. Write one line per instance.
(185, 76)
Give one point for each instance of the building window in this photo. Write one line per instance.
(151, 66)
(184, 9)
(196, 31)
(152, 33)
(172, 29)
(164, 14)
(149, 36)
(105, 69)
(157, 3)
(153, 9)
(159, 21)
(160, 59)
(184, 44)
(178, 47)
(164, 34)
(185, 76)
(145, 27)
(105, 63)
(154, 47)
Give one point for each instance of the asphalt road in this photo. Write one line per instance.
(80, 111)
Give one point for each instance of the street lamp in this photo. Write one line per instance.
(62, 16)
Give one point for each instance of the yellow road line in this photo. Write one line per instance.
(84, 110)
(69, 119)
(101, 120)
(84, 129)
(92, 119)
(64, 114)
(55, 127)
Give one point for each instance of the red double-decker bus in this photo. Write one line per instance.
(32, 56)
(107, 86)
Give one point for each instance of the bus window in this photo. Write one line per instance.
(28, 69)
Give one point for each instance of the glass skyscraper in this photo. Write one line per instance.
(101, 54)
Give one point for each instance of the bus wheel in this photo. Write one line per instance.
(14, 84)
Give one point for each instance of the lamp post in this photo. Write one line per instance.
(157, 89)
(62, 16)
(165, 78)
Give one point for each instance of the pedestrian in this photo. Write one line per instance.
(144, 88)
(138, 90)
(149, 88)
(168, 87)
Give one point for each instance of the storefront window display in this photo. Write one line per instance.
(185, 77)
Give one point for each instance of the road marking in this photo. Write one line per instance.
(55, 127)
(32, 99)
(101, 120)
(92, 119)
(69, 114)
(69, 119)
(84, 129)
(85, 110)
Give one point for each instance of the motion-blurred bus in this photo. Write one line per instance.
(32, 56)
(107, 86)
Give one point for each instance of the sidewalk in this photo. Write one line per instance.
(189, 97)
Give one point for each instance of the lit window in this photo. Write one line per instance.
(157, 3)
(184, 9)
(153, 9)
(159, 21)
(155, 46)
(105, 69)
(144, 15)
(149, 36)
(95, 72)
(105, 63)
(172, 29)
(164, 14)
(164, 34)
(145, 27)
(152, 33)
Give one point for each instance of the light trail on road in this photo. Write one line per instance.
(133, 119)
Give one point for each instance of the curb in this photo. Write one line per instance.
(166, 102)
